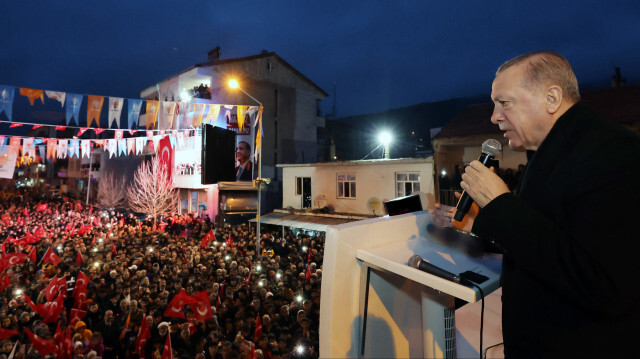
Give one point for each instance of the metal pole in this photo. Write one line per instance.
(89, 177)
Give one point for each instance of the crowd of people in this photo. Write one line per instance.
(125, 284)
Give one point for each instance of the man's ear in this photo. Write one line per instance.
(554, 99)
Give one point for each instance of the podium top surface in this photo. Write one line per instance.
(387, 243)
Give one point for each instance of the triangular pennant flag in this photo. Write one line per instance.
(133, 112)
(131, 132)
(112, 147)
(180, 136)
(94, 107)
(212, 115)
(6, 100)
(131, 146)
(15, 125)
(172, 140)
(41, 151)
(86, 148)
(36, 127)
(139, 145)
(240, 114)
(81, 131)
(56, 95)
(122, 147)
(74, 101)
(152, 113)
(115, 110)
(32, 95)
(74, 148)
(156, 140)
(167, 114)
(99, 130)
(52, 146)
(61, 128)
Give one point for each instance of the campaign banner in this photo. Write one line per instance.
(57, 95)
(115, 110)
(6, 100)
(152, 113)
(32, 95)
(8, 158)
(74, 101)
(94, 107)
(133, 112)
(167, 115)
(165, 153)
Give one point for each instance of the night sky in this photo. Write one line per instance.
(381, 54)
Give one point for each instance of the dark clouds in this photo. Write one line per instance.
(381, 54)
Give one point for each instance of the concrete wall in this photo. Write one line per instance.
(375, 181)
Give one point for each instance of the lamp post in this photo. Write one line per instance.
(235, 85)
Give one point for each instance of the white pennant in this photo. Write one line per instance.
(86, 148)
(115, 109)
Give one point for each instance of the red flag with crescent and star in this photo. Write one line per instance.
(51, 257)
(43, 346)
(143, 335)
(165, 153)
(175, 309)
(167, 352)
(202, 309)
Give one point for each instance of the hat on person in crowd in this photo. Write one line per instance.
(269, 294)
(133, 267)
(80, 324)
(164, 324)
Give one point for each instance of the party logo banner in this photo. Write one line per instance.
(152, 113)
(57, 95)
(115, 110)
(8, 158)
(74, 101)
(94, 108)
(6, 100)
(134, 111)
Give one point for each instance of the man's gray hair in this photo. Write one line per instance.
(544, 68)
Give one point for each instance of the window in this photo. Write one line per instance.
(346, 185)
(194, 202)
(303, 188)
(407, 183)
(298, 186)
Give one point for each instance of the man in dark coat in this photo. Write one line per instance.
(569, 274)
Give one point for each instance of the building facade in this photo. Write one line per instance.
(356, 187)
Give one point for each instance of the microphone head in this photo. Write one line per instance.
(414, 261)
(491, 147)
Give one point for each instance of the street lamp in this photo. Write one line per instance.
(233, 83)
(385, 140)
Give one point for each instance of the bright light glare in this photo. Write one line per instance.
(300, 349)
(385, 138)
(258, 267)
(99, 240)
(443, 172)
(95, 249)
(299, 298)
(233, 83)
(184, 96)
(278, 275)
(96, 264)
(304, 248)
(260, 283)
(59, 248)
(18, 292)
(227, 257)
(150, 249)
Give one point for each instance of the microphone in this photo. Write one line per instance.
(418, 263)
(490, 148)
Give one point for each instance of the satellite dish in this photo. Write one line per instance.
(320, 201)
(374, 205)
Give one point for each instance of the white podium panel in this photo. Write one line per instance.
(374, 305)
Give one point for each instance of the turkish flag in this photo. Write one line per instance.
(202, 308)
(230, 241)
(82, 280)
(175, 308)
(208, 238)
(53, 309)
(42, 207)
(6, 219)
(76, 315)
(167, 353)
(25, 211)
(143, 335)
(12, 259)
(39, 232)
(52, 289)
(62, 286)
(78, 206)
(79, 259)
(80, 297)
(308, 274)
(51, 257)
(258, 331)
(43, 346)
(114, 251)
(6, 333)
(165, 154)
(32, 255)
(4, 282)
(84, 229)
(68, 227)
(64, 343)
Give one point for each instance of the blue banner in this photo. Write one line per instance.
(134, 111)
(73, 107)
(74, 148)
(6, 100)
(122, 147)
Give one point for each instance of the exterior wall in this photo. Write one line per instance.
(375, 181)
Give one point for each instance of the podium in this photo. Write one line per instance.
(373, 305)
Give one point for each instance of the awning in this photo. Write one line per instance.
(309, 222)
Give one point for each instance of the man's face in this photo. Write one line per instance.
(520, 112)
(242, 152)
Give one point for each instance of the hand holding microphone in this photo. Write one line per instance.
(479, 182)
